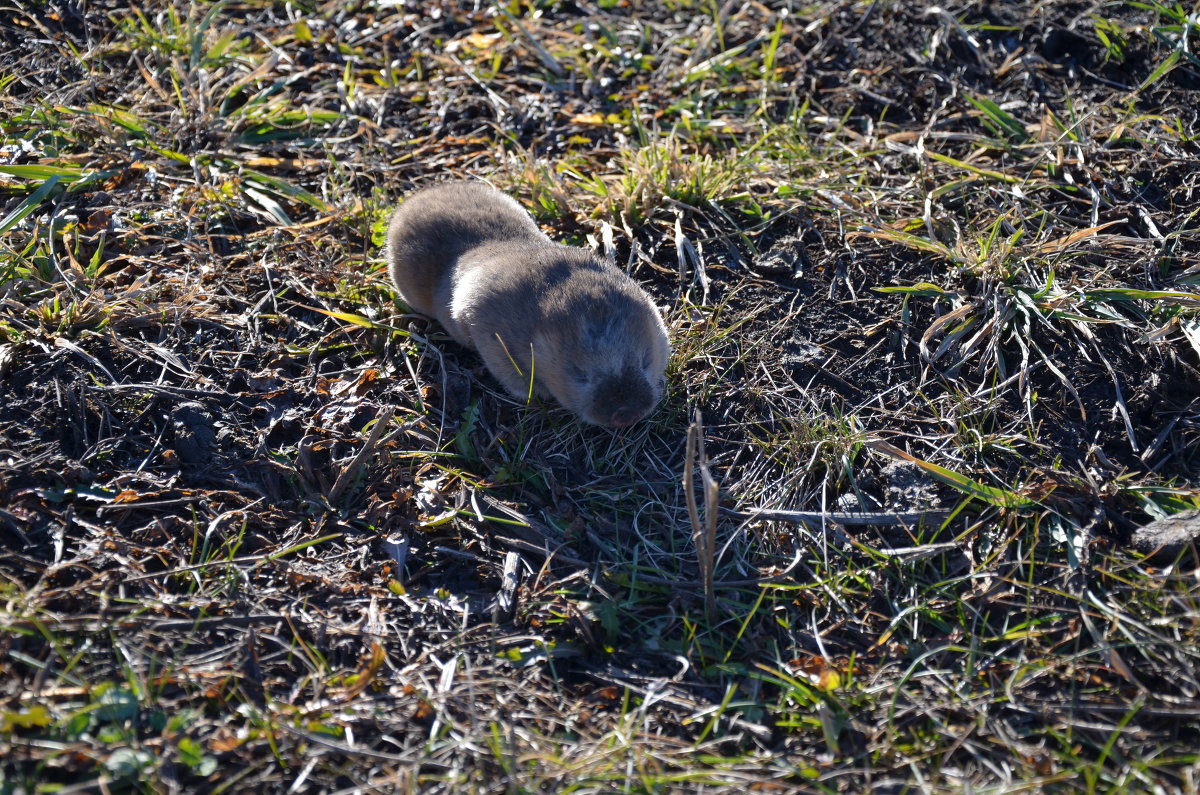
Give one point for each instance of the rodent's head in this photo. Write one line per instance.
(605, 357)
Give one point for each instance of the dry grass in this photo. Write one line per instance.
(931, 283)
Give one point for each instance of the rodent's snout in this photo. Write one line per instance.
(620, 401)
(624, 417)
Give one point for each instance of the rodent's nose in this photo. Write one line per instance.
(620, 400)
(624, 417)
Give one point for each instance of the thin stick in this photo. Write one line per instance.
(815, 519)
(352, 469)
(704, 536)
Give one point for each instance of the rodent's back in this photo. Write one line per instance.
(546, 318)
(435, 226)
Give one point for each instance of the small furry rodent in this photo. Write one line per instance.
(547, 318)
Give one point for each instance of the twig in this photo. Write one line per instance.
(397, 546)
(352, 469)
(704, 536)
(544, 55)
(421, 760)
(506, 599)
(534, 533)
(658, 689)
(743, 583)
(815, 519)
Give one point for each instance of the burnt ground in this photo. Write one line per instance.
(254, 519)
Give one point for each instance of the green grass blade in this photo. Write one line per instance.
(1165, 67)
(1130, 294)
(40, 172)
(924, 289)
(1001, 498)
(31, 203)
(1013, 129)
(983, 172)
(283, 188)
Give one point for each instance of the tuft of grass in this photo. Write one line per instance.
(660, 174)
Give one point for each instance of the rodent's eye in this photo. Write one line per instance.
(578, 374)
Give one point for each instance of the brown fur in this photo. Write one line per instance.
(549, 319)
